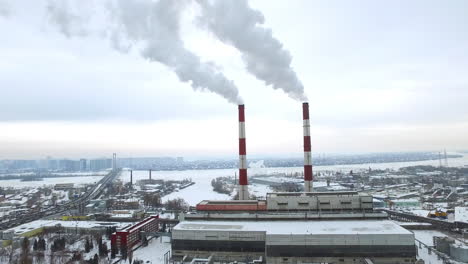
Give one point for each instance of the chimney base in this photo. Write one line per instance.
(307, 186)
(243, 192)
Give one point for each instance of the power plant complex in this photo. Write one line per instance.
(290, 227)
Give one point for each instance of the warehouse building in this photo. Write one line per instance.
(313, 227)
(340, 241)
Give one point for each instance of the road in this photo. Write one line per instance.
(91, 194)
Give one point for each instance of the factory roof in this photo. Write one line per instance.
(299, 227)
(24, 228)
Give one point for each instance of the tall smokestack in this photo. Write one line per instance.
(243, 188)
(131, 177)
(307, 149)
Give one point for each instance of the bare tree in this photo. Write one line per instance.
(177, 204)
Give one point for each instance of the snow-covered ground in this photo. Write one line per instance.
(154, 252)
(71, 224)
(74, 243)
(426, 236)
(50, 181)
(202, 189)
(259, 190)
(420, 212)
(428, 254)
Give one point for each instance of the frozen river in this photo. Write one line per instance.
(202, 189)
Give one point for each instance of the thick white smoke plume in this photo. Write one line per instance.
(236, 23)
(4, 9)
(151, 26)
(70, 19)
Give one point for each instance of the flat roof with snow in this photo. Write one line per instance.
(347, 193)
(298, 227)
(231, 202)
(67, 224)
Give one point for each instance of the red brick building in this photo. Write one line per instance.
(131, 235)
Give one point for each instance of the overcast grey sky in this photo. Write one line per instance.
(380, 76)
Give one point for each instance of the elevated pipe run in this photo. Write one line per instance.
(307, 149)
(243, 184)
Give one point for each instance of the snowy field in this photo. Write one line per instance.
(50, 181)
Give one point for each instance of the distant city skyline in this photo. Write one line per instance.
(254, 157)
(180, 163)
(380, 77)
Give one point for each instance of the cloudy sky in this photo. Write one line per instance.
(379, 75)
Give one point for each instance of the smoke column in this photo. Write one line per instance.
(151, 26)
(70, 19)
(235, 23)
(4, 9)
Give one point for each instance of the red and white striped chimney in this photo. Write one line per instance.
(243, 185)
(307, 149)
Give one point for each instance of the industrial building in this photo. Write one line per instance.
(305, 201)
(333, 227)
(342, 241)
(131, 235)
(287, 228)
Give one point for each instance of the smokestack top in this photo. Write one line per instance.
(305, 110)
(241, 113)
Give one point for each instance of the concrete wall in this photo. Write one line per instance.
(442, 244)
(332, 240)
(321, 202)
(340, 260)
(459, 253)
(219, 235)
